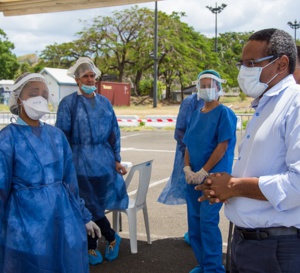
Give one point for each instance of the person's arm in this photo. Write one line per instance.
(70, 180)
(216, 156)
(186, 158)
(189, 174)
(115, 135)
(63, 118)
(5, 182)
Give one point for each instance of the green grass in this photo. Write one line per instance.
(4, 108)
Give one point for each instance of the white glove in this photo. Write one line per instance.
(189, 174)
(200, 176)
(92, 229)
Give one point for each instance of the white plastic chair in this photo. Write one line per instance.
(137, 203)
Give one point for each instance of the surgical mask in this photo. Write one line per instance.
(248, 80)
(36, 107)
(88, 89)
(208, 94)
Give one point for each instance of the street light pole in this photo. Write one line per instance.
(216, 10)
(294, 26)
(155, 58)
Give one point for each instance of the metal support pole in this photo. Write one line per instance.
(216, 10)
(155, 58)
(216, 31)
(294, 26)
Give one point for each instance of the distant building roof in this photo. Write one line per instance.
(6, 82)
(60, 75)
(188, 90)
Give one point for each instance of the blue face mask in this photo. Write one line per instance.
(88, 89)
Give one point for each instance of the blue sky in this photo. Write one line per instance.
(32, 33)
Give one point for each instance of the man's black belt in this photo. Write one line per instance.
(264, 233)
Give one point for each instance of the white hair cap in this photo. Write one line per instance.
(81, 67)
(18, 86)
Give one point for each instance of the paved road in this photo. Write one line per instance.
(168, 252)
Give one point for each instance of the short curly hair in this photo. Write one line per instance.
(279, 43)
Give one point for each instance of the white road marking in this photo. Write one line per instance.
(133, 135)
(146, 150)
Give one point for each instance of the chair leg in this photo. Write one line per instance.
(146, 220)
(132, 230)
(116, 222)
(120, 222)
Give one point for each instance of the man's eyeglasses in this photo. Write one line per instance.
(252, 63)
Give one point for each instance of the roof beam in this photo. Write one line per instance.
(21, 7)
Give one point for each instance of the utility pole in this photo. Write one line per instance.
(294, 26)
(155, 58)
(216, 10)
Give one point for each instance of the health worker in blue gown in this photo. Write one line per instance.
(90, 124)
(43, 222)
(210, 140)
(174, 193)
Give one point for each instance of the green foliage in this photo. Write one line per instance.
(123, 44)
(242, 96)
(145, 87)
(9, 64)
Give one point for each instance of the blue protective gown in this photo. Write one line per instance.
(174, 192)
(94, 136)
(42, 218)
(204, 132)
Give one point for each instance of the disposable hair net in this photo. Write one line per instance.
(18, 86)
(81, 67)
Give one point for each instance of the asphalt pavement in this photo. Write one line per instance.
(168, 252)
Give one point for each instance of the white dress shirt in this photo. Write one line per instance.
(270, 150)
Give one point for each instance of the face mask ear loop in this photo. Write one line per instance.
(275, 74)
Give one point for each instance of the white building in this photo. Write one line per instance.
(59, 83)
(4, 93)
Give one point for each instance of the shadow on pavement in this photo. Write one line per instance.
(171, 255)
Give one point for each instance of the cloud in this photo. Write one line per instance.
(32, 33)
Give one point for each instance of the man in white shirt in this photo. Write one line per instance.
(297, 69)
(262, 196)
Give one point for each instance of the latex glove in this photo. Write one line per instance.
(189, 174)
(200, 176)
(92, 229)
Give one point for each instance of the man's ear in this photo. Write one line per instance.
(283, 64)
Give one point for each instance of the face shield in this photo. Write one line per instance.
(25, 84)
(209, 87)
(81, 67)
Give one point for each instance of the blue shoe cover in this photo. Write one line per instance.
(112, 252)
(197, 269)
(187, 238)
(95, 257)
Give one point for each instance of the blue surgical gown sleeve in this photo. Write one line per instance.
(5, 183)
(64, 118)
(114, 138)
(70, 179)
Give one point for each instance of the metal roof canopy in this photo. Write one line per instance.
(25, 7)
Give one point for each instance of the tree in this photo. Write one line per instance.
(123, 45)
(8, 60)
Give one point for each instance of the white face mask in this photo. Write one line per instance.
(208, 94)
(36, 107)
(248, 80)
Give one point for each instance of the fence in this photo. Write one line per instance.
(7, 117)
